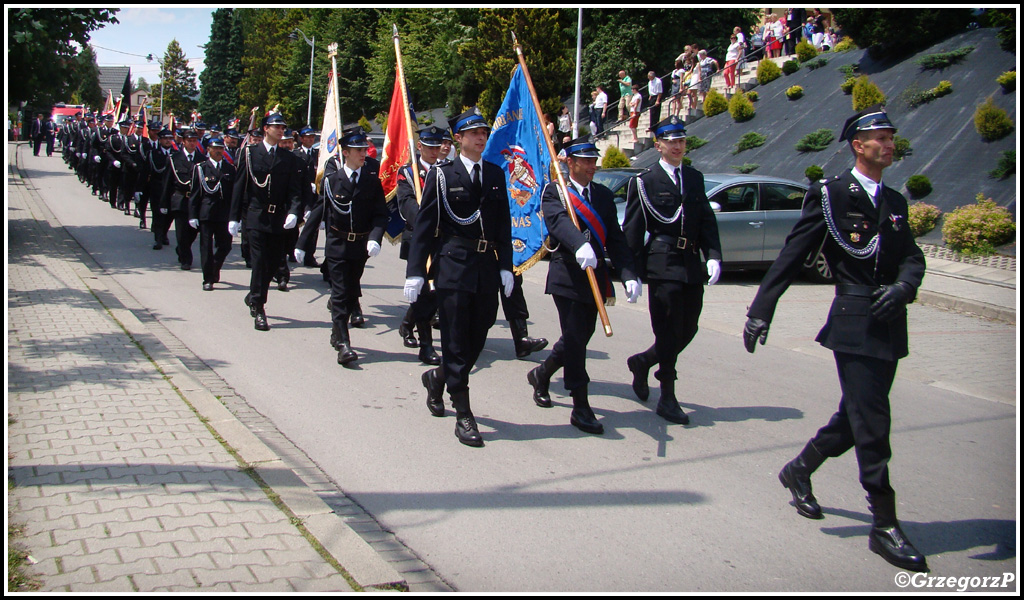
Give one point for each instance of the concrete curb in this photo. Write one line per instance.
(974, 307)
(344, 544)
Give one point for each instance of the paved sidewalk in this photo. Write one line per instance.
(121, 485)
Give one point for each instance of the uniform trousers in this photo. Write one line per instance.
(345, 275)
(214, 247)
(184, 235)
(578, 321)
(863, 419)
(514, 306)
(265, 251)
(675, 310)
(113, 177)
(466, 318)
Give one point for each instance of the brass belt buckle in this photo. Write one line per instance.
(681, 243)
(272, 208)
(351, 236)
(481, 246)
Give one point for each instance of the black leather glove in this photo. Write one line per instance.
(890, 300)
(754, 329)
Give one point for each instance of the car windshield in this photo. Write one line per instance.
(612, 179)
(710, 184)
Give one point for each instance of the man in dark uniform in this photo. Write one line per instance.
(668, 203)
(355, 214)
(37, 134)
(418, 316)
(114, 151)
(465, 227)
(209, 202)
(156, 175)
(132, 164)
(878, 267)
(83, 150)
(270, 184)
(100, 159)
(255, 137)
(231, 139)
(310, 159)
(175, 196)
(576, 249)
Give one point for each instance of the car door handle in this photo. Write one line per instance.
(755, 224)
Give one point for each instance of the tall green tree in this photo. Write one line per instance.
(41, 47)
(265, 33)
(87, 79)
(178, 82)
(223, 68)
(142, 84)
(354, 30)
(490, 57)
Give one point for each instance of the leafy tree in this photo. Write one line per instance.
(87, 79)
(355, 31)
(896, 32)
(179, 83)
(41, 49)
(142, 84)
(223, 68)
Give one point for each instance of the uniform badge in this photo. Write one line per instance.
(896, 220)
(854, 188)
(854, 237)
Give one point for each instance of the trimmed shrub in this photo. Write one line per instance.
(687, 161)
(847, 86)
(902, 148)
(750, 140)
(767, 72)
(814, 173)
(1008, 81)
(849, 70)
(922, 218)
(741, 108)
(866, 93)
(816, 63)
(991, 121)
(614, 158)
(914, 97)
(942, 60)
(752, 95)
(715, 103)
(795, 93)
(976, 229)
(746, 168)
(805, 51)
(1006, 166)
(693, 142)
(790, 66)
(816, 142)
(365, 124)
(845, 45)
(919, 186)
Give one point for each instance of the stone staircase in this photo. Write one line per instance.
(617, 133)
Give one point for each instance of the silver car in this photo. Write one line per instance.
(755, 213)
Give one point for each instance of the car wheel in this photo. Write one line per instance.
(816, 268)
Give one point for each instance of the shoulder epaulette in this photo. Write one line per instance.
(443, 162)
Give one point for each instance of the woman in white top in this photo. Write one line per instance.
(732, 55)
(741, 63)
(678, 88)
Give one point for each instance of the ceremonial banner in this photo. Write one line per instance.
(517, 145)
(330, 134)
(396, 154)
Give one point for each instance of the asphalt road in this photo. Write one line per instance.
(648, 506)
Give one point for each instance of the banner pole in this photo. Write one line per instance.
(417, 186)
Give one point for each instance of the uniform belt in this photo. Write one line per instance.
(271, 208)
(477, 245)
(853, 289)
(679, 243)
(351, 236)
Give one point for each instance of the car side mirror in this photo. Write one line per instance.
(716, 206)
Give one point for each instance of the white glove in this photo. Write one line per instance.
(291, 221)
(194, 223)
(96, 159)
(412, 288)
(163, 211)
(586, 257)
(300, 255)
(117, 164)
(323, 226)
(305, 215)
(372, 248)
(507, 282)
(633, 290)
(233, 227)
(714, 270)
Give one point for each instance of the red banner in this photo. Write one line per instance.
(396, 142)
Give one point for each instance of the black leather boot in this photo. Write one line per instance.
(345, 353)
(640, 368)
(405, 330)
(465, 425)
(668, 406)
(888, 540)
(427, 355)
(525, 345)
(583, 417)
(540, 378)
(796, 476)
(434, 382)
(356, 319)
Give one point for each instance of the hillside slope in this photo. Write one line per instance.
(945, 145)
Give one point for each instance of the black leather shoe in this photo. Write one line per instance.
(261, 322)
(435, 393)
(157, 246)
(282, 285)
(467, 432)
(639, 369)
(252, 307)
(800, 487)
(427, 356)
(668, 409)
(165, 241)
(356, 319)
(408, 337)
(186, 267)
(891, 544)
(346, 354)
(541, 397)
(528, 345)
(142, 223)
(311, 263)
(207, 287)
(586, 423)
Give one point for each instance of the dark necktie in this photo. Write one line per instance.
(586, 194)
(273, 152)
(679, 180)
(355, 177)
(477, 187)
